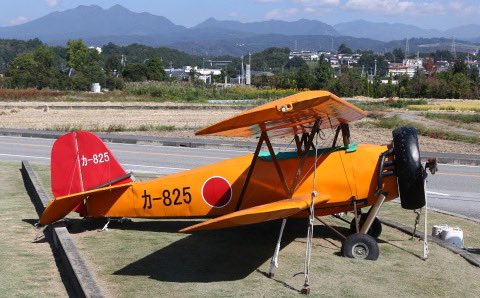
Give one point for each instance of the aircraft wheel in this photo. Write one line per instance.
(360, 246)
(375, 229)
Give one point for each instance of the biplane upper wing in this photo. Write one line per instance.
(59, 207)
(289, 115)
(261, 213)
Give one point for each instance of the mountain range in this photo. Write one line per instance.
(98, 26)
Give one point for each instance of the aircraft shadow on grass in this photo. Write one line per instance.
(219, 255)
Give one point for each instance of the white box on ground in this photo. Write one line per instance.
(96, 88)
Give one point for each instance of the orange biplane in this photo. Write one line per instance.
(305, 182)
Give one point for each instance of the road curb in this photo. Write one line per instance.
(79, 277)
(420, 234)
(448, 158)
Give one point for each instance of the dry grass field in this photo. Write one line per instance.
(139, 118)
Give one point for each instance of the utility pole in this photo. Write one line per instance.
(407, 48)
(454, 50)
(375, 71)
(242, 73)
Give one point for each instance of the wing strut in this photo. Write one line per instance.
(304, 154)
(306, 141)
(263, 138)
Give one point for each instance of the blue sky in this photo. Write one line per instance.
(439, 14)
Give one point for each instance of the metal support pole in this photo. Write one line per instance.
(298, 142)
(345, 134)
(277, 165)
(331, 228)
(355, 213)
(337, 132)
(274, 262)
(250, 170)
(425, 236)
(372, 214)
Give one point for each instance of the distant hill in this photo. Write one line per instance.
(91, 21)
(384, 31)
(395, 31)
(468, 32)
(300, 27)
(98, 26)
(431, 45)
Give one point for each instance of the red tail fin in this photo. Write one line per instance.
(80, 161)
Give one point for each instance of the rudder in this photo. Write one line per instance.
(80, 161)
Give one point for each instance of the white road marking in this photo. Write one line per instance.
(154, 167)
(438, 193)
(458, 165)
(25, 156)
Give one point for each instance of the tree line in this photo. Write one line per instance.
(32, 64)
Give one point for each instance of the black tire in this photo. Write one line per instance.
(360, 246)
(408, 168)
(375, 229)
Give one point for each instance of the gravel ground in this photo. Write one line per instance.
(185, 121)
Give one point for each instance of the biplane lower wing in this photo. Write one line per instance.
(261, 213)
(61, 206)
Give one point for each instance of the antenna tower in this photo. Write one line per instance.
(407, 48)
(454, 50)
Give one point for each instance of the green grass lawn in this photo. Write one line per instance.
(27, 269)
(147, 258)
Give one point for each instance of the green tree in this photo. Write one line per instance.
(323, 74)
(443, 55)
(77, 54)
(22, 71)
(460, 86)
(113, 64)
(460, 66)
(47, 72)
(87, 65)
(295, 63)
(344, 49)
(304, 77)
(271, 59)
(135, 72)
(154, 69)
(34, 70)
(398, 55)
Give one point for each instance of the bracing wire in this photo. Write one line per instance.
(311, 218)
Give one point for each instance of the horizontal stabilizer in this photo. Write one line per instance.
(262, 213)
(59, 207)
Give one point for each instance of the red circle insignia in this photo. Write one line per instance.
(217, 192)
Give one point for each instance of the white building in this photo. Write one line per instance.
(305, 55)
(408, 67)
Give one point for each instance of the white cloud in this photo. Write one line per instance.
(281, 14)
(461, 9)
(318, 2)
(397, 7)
(18, 20)
(52, 3)
(232, 14)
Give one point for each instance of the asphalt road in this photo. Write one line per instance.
(455, 188)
